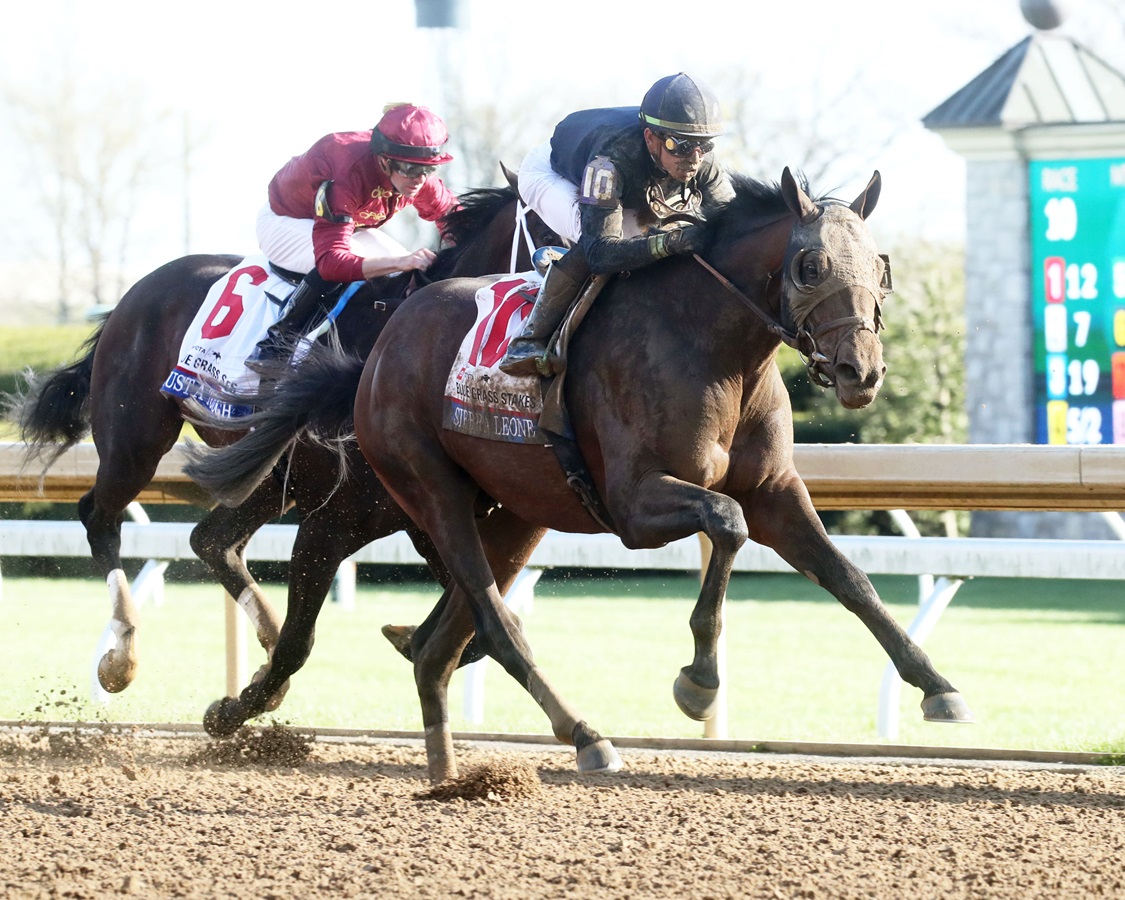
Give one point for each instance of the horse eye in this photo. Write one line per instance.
(813, 267)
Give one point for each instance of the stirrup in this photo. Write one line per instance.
(542, 258)
(528, 363)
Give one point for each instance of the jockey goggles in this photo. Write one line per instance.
(412, 170)
(684, 146)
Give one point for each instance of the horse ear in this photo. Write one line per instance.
(510, 177)
(796, 199)
(865, 202)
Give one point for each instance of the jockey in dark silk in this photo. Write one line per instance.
(611, 178)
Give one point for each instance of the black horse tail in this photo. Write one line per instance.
(312, 401)
(53, 412)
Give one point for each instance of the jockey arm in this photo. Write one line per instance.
(606, 248)
(603, 240)
(332, 233)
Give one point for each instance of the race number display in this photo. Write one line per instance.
(1078, 299)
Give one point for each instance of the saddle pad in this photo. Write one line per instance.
(238, 311)
(480, 399)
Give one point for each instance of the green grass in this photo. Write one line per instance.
(41, 346)
(1038, 661)
(38, 347)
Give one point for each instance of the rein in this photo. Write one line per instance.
(814, 360)
(772, 323)
(521, 228)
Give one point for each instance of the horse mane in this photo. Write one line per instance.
(478, 207)
(755, 199)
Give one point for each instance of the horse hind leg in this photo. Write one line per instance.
(220, 541)
(118, 666)
(325, 538)
(507, 542)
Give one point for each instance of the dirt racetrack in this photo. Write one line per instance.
(271, 815)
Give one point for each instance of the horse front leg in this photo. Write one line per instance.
(781, 516)
(662, 509)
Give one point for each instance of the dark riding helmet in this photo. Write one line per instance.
(410, 134)
(680, 105)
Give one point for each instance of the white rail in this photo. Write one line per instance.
(953, 559)
(839, 476)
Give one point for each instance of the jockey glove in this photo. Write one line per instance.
(684, 240)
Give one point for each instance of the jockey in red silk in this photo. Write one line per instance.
(326, 206)
(606, 180)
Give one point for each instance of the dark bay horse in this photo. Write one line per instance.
(113, 391)
(681, 415)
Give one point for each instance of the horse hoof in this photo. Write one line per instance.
(601, 756)
(275, 701)
(695, 702)
(948, 707)
(400, 637)
(113, 677)
(218, 720)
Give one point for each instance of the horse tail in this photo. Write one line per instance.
(311, 402)
(53, 412)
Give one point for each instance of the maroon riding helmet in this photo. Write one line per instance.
(411, 134)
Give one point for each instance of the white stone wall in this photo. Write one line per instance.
(998, 341)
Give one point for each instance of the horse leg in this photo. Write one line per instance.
(434, 664)
(405, 638)
(125, 466)
(659, 509)
(220, 540)
(506, 542)
(781, 516)
(334, 530)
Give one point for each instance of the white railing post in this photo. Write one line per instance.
(237, 667)
(343, 585)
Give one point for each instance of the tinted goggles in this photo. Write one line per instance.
(412, 170)
(685, 146)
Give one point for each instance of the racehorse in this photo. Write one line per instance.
(680, 414)
(685, 426)
(113, 390)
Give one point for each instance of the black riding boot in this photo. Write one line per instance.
(309, 298)
(527, 353)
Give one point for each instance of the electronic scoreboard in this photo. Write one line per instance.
(1078, 299)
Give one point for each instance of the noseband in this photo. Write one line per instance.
(819, 366)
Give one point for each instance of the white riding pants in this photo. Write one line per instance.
(287, 242)
(556, 199)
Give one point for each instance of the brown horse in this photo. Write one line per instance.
(114, 391)
(683, 420)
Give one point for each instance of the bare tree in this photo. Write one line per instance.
(816, 136)
(91, 155)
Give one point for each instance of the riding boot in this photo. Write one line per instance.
(527, 354)
(306, 301)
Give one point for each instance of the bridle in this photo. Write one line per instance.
(804, 339)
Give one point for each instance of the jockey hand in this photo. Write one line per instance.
(419, 259)
(686, 239)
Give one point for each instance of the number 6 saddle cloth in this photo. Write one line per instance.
(237, 313)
